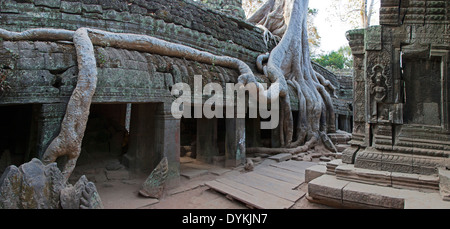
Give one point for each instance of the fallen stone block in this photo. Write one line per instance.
(153, 186)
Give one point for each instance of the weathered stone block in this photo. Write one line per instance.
(444, 183)
(314, 172)
(82, 195)
(89, 8)
(327, 186)
(31, 186)
(31, 63)
(48, 3)
(71, 7)
(8, 6)
(25, 45)
(71, 18)
(349, 172)
(371, 196)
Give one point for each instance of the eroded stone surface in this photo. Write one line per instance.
(444, 184)
(34, 185)
(82, 195)
(153, 186)
(31, 186)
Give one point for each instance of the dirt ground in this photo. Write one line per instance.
(190, 194)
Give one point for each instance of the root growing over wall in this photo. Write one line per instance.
(68, 142)
(288, 64)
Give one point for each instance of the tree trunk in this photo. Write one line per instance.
(289, 64)
(68, 142)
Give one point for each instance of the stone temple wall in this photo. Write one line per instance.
(46, 72)
(42, 75)
(180, 21)
(230, 7)
(400, 81)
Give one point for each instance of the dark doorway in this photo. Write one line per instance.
(104, 142)
(16, 135)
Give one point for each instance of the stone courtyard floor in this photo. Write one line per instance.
(192, 193)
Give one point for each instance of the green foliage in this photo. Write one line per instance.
(339, 59)
(332, 59)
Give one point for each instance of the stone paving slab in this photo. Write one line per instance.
(192, 173)
(281, 157)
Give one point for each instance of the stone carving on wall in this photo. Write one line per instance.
(378, 87)
(358, 93)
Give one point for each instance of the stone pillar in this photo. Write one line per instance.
(253, 132)
(168, 142)
(154, 134)
(275, 137)
(49, 121)
(235, 142)
(359, 140)
(207, 140)
(142, 155)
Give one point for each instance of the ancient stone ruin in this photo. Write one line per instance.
(400, 109)
(86, 95)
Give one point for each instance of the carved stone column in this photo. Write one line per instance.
(356, 42)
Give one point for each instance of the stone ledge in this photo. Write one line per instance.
(332, 165)
(394, 161)
(385, 178)
(346, 194)
(314, 172)
(444, 183)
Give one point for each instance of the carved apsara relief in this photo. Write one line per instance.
(378, 87)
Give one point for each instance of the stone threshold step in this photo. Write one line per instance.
(385, 178)
(329, 190)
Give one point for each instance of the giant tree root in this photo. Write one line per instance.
(289, 64)
(73, 125)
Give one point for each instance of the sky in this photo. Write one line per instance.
(332, 33)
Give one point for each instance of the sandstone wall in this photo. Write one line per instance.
(180, 21)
